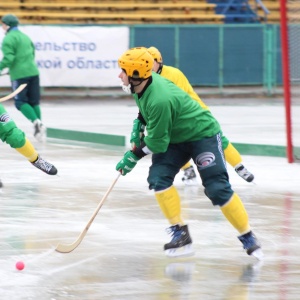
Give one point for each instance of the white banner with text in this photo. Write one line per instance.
(76, 56)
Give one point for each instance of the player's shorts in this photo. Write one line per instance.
(209, 158)
(31, 93)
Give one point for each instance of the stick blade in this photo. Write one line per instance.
(67, 248)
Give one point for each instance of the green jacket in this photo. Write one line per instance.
(18, 55)
(172, 116)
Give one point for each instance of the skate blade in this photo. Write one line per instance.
(180, 252)
(258, 253)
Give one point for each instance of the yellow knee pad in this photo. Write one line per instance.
(169, 202)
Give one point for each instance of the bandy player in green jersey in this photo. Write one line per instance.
(179, 129)
(232, 156)
(16, 139)
(19, 57)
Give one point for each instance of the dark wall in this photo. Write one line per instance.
(217, 55)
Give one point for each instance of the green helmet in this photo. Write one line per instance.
(10, 20)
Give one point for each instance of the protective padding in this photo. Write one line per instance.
(236, 214)
(28, 151)
(232, 156)
(169, 202)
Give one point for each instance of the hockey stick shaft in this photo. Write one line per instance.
(14, 93)
(66, 248)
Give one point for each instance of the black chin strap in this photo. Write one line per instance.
(159, 68)
(138, 81)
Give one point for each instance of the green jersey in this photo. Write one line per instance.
(18, 55)
(172, 116)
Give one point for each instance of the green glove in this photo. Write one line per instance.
(127, 163)
(137, 134)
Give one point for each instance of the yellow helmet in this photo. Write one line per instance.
(137, 63)
(155, 54)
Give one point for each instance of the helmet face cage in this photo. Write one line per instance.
(137, 63)
(155, 54)
(10, 20)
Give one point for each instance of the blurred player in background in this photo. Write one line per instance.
(232, 156)
(19, 57)
(15, 137)
(179, 129)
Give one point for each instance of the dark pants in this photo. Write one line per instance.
(209, 159)
(31, 93)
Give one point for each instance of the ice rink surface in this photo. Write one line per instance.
(121, 256)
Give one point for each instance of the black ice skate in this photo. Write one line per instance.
(46, 167)
(181, 243)
(244, 173)
(251, 245)
(189, 176)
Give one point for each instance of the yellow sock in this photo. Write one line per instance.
(187, 165)
(232, 156)
(169, 202)
(28, 151)
(236, 214)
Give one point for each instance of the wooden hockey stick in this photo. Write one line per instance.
(66, 248)
(14, 93)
